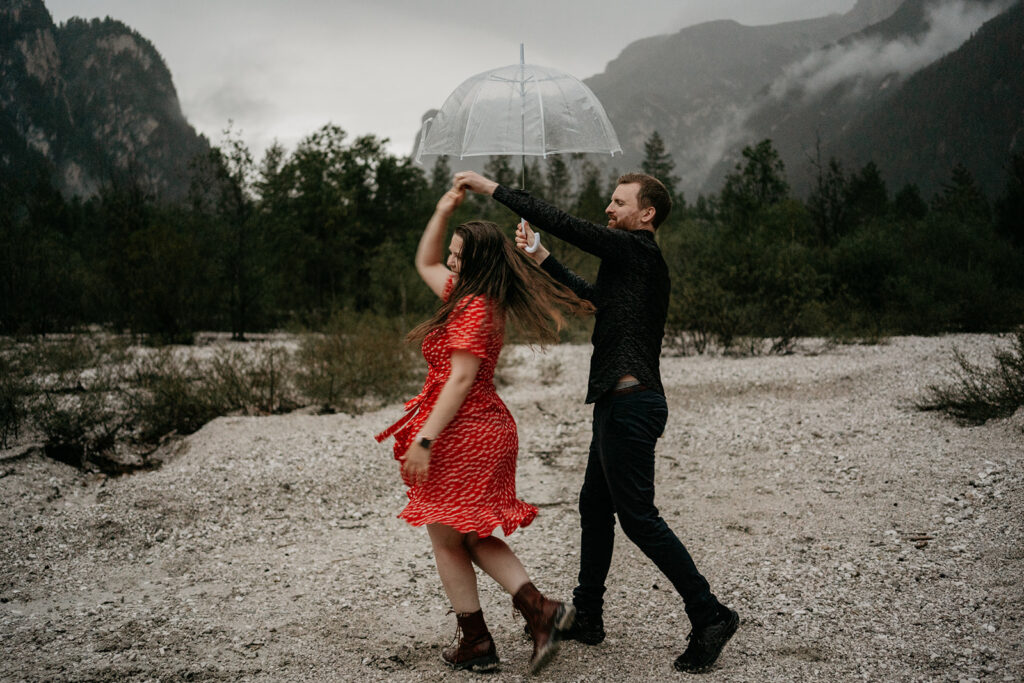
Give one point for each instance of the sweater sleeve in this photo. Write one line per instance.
(564, 275)
(591, 238)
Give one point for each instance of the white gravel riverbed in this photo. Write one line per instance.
(858, 538)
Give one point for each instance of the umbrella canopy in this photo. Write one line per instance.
(522, 109)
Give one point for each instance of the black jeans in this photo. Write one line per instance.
(620, 481)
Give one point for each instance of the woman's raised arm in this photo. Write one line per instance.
(429, 253)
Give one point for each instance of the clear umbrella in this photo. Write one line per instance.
(523, 110)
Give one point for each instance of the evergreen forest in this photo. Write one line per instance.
(301, 236)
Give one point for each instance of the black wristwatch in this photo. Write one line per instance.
(425, 442)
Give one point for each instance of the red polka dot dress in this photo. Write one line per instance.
(471, 482)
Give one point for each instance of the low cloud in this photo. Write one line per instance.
(949, 26)
(855, 65)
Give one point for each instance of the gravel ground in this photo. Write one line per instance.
(857, 537)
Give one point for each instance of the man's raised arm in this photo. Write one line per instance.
(594, 239)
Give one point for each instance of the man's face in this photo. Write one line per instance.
(624, 209)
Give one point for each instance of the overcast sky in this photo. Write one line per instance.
(280, 69)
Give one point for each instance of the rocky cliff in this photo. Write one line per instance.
(90, 103)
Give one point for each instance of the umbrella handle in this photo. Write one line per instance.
(532, 249)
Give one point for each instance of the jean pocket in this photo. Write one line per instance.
(642, 414)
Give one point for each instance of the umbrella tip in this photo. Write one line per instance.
(521, 54)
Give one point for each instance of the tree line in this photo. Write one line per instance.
(300, 236)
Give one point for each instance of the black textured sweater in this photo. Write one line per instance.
(630, 294)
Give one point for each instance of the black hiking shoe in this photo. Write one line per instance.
(588, 628)
(706, 644)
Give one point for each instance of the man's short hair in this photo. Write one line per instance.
(651, 193)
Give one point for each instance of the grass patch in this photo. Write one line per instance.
(977, 393)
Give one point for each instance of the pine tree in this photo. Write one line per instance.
(1010, 205)
(591, 201)
(866, 195)
(559, 181)
(658, 163)
(534, 181)
(440, 176)
(757, 184)
(907, 205)
(499, 169)
(827, 201)
(961, 197)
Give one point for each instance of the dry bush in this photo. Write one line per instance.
(174, 394)
(977, 394)
(69, 353)
(360, 360)
(70, 391)
(14, 388)
(83, 415)
(550, 371)
(255, 380)
(84, 395)
(169, 394)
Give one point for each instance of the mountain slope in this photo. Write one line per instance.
(687, 85)
(91, 102)
(840, 98)
(968, 107)
(34, 111)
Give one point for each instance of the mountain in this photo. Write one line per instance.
(967, 107)
(907, 93)
(690, 85)
(90, 103)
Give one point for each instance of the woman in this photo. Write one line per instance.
(458, 444)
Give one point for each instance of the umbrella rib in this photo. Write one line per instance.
(543, 126)
(561, 92)
(505, 79)
(586, 126)
(469, 117)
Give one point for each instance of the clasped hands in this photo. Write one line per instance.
(464, 180)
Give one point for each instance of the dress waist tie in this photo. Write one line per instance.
(412, 406)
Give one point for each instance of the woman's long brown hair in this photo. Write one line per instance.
(493, 267)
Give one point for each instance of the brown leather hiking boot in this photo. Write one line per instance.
(546, 619)
(474, 648)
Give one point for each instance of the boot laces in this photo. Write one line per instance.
(458, 629)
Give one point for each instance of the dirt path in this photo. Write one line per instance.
(857, 538)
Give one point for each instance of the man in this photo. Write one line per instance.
(631, 296)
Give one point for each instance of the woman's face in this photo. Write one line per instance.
(455, 255)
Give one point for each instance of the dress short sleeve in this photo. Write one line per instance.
(448, 287)
(470, 325)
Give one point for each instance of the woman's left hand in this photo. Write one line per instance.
(450, 201)
(415, 464)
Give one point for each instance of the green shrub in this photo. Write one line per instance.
(978, 394)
